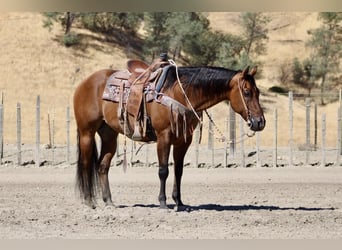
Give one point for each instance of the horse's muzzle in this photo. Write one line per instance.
(257, 123)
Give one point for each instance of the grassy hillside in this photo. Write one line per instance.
(33, 62)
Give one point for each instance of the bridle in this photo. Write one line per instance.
(241, 83)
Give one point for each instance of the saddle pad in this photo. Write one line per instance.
(112, 93)
(117, 88)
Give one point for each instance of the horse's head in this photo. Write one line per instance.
(244, 99)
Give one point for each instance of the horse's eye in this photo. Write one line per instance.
(247, 93)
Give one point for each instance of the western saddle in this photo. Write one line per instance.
(127, 88)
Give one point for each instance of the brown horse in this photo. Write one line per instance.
(197, 88)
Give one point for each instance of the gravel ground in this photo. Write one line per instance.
(301, 202)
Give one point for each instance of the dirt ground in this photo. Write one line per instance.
(225, 203)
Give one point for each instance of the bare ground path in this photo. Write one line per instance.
(234, 203)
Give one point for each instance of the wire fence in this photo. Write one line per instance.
(311, 138)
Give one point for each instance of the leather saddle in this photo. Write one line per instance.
(127, 88)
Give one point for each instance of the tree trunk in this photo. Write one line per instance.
(322, 89)
(69, 19)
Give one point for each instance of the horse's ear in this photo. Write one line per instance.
(254, 70)
(245, 72)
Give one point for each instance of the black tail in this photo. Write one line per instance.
(87, 183)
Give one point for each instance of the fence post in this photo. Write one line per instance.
(323, 139)
(315, 124)
(116, 156)
(242, 134)
(197, 137)
(211, 136)
(225, 154)
(38, 132)
(340, 114)
(147, 164)
(49, 130)
(1, 132)
(53, 136)
(339, 136)
(232, 133)
(210, 133)
(275, 141)
(18, 134)
(258, 162)
(68, 134)
(307, 148)
(291, 128)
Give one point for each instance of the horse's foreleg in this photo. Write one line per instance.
(108, 148)
(163, 150)
(179, 152)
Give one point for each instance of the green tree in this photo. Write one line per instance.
(229, 51)
(254, 35)
(303, 74)
(109, 22)
(325, 42)
(156, 39)
(66, 19)
(183, 28)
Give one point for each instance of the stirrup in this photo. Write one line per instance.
(136, 134)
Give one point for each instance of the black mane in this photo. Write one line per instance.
(207, 79)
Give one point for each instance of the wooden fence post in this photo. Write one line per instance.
(242, 134)
(275, 141)
(307, 147)
(323, 139)
(116, 156)
(291, 128)
(232, 133)
(211, 136)
(315, 125)
(68, 134)
(340, 114)
(197, 137)
(38, 132)
(147, 164)
(225, 153)
(210, 133)
(258, 161)
(2, 127)
(18, 134)
(1, 132)
(339, 136)
(53, 132)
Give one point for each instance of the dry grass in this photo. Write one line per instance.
(33, 63)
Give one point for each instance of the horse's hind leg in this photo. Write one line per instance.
(86, 167)
(108, 148)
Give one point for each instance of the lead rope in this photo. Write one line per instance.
(181, 87)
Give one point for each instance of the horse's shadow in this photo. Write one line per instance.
(217, 207)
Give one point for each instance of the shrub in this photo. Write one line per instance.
(278, 89)
(71, 39)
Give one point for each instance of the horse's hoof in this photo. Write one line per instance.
(109, 204)
(163, 205)
(89, 204)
